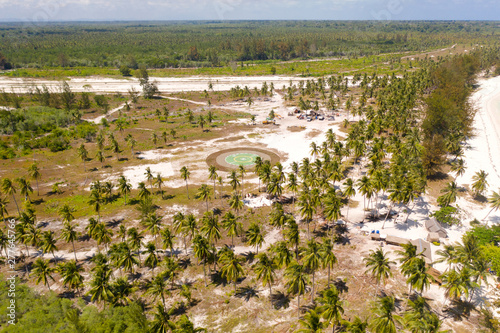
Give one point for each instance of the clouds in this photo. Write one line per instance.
(68, 10)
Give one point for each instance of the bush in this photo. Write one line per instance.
(486, 235)
(447, 215)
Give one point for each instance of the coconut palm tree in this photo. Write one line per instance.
(349, 191)
(158, 181)
(385, 320)
(149, 177)
(204, 193)
(479, 184)
(102, 235)
(447, 254)
(201, 249)
(212, 175)
(185, 176)
(307, 209)
(283, 256)
(43, 272)
(131, 142)
(449, 196)
(152, 258)
(419, 277)
(378, 265)
(35, 174)
(49, 243)
(161, 321)
(365, 188)
(9, 189)
(100, 288)
(153, 224)
(357, 325)
(235, 202)
(231, 225)
(277, 217)
(69, 234)
(293, 185)
(312, 260)
(454, 285)
(234, 181)
(458, 167)
(328, 258)
(292, 235)
(167, 239)
(265, 268)
(332, 307)
(242, 171)
(135, 240)
(314, 149)
(96, 200)
(189, 229)
(297, 280)
(3, 209)
(83, 154)
(210, 227)
(144, 193)
(100, 157)
(124, 187)
(311, 322)
(254, 236)
(494, 201)
(157, 287)
(71, 273)
(231, 268)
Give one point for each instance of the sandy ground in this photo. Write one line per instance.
(165, 84)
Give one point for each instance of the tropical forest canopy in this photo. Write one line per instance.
(203, 43)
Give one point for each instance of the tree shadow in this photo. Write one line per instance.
(37, 201)
(121, 159)
(249, 257)
(168, 197)
(217, 279)
(114, 223)
(247, 292)
(184, 263)
(341, 285)
(459, 309)
(438, 176)
(279, 300)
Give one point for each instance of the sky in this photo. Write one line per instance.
(36, 11)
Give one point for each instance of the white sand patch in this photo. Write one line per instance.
(137, 174)
(259, 201)
(154, 155)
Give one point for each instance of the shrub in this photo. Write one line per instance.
(447, 215)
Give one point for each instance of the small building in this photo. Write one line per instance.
(433, 226)
(433, 237)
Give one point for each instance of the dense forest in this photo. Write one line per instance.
(187, 44)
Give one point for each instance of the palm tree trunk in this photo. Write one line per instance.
(187, 189)
(74, 251)
(483, 219)
(328, 276)
(215, 194)
(205, 272)
(312, 290)
(298, 306)
(37, 189)
(14, 197)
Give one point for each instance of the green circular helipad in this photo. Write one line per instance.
(241, 159)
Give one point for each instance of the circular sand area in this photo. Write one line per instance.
(231, 159)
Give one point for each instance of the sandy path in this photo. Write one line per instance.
(97, 120)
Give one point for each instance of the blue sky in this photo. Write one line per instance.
(71, 10)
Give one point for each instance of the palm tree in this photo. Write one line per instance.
(152, 258)
(49, 243)
(297, 280)
(254, 236)
(328, 258)
(212, 175)
(385, 320)
(311, 322)
(479, 184)
(100, 288)
(210, 227)
(293, 235)
(454, 285)
(161, 322)
(157, 287)
(100, 157)
(201, 249)
(43, 272)
(314, 149)
(312, 260)
(494, 201)
(419, 277)
(447, 254)
(34, 173)
(332, 307)
(124, 187)
(378, 265)
(450, 193)
(458, 167)
(283, 256)
(144, 193)
(122, 289)
(102, 235)
(185, 176)
(201, 121)
(83, 154)
(204, 193)
(292, 185)
(131, 142)
(234, 182)
(153, 225)
(9, 189)
(307, 209)
(149, 177)
(242, 171)
(265, 268)
(356, 326)
(154, 139)
(231, 225)
(167, 239)
(135, 239)
(69, 234)
(71, 273)
(349, 191)
(235, 202)
(96, 200)
(3, 209)
(365, 187)
(231, 268)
